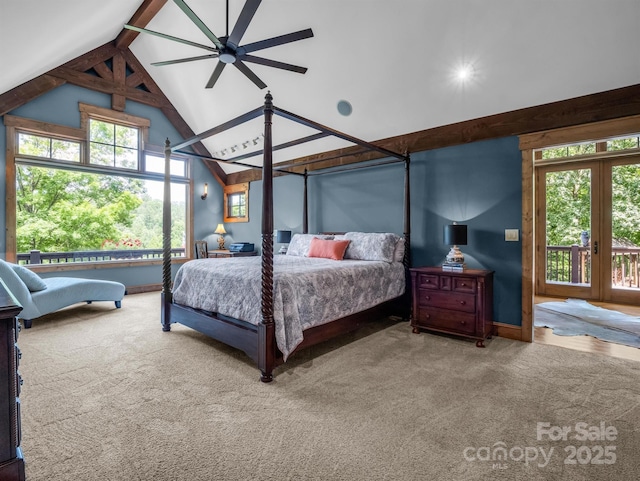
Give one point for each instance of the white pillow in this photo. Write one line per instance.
(369, 246)
(398, 252)
(33, 282)
(300, 243)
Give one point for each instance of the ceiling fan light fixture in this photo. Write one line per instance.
(227, 57)
(228, 49)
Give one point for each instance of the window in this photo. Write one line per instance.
(623, 143)
(113, 145)
(569, 150)
(91, 194)
(586, 150)
(236, 203)
(48, 147)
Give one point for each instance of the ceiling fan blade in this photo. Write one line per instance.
(281, 40)
(215, 75)
(170, 37)
(248, 11)
(199, 23)
(182, 60)
(250, 75)
(273, 63)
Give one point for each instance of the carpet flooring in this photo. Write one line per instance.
(576, 317)
(109, 396)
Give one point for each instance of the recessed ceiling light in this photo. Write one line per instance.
(464, 73)
(344, 108)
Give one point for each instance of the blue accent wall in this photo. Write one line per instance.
(479, 184)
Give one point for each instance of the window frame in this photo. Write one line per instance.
(15, 125)
(530, 145)
(234, 189)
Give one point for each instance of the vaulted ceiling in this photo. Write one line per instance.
(395, 62)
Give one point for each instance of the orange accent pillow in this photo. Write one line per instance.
(328, 249)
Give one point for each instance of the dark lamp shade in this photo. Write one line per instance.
(283, 236)
(455, 235)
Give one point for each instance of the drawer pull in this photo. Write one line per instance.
(464, 284)
(463, 303)
(428, 298)
(427, 281)
(428, 316)
(463, 322)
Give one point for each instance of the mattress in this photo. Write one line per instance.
(307, 291)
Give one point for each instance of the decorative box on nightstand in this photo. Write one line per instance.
(458, 303)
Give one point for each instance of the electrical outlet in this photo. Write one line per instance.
(512, 235)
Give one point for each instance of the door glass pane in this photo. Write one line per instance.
(568, 227)
(625, 228)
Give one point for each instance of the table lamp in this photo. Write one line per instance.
(283, 237)
(455, 235)
(220, 231)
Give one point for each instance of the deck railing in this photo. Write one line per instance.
(37, 257)
(572, 264)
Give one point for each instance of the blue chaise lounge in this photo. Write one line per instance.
(39, 296)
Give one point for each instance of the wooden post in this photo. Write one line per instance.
(575, 264)
(266, 330)
(34, 257)
(305, 208)
(407, 211)
(166, 297)
(406, 260)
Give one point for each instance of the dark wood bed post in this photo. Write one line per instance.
(166, 297)
(406, 260)
(407, 211)
(305, 208)
(266, 329)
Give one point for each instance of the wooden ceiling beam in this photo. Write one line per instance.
(90, 59)
(141, 18)
(28, 91)
(92, 82)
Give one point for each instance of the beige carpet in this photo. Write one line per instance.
(109, 396)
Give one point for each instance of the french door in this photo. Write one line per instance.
(587, 227)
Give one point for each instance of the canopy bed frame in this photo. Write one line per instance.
(258, 342)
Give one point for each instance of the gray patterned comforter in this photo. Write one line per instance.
(307, 291)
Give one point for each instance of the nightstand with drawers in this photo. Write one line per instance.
(459, 303)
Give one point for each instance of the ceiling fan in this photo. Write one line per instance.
(227, 49)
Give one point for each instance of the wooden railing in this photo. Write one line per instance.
(572, 264)
(37, 257)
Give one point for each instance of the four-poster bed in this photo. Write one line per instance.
(258, 339)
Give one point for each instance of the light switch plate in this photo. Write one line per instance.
(511, 235)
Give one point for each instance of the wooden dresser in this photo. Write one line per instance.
(11, 461)
(458, 303)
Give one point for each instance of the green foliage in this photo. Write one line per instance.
(65, 211)
(147, 223)
(569, 204)
(626, 202)
(60, 210)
